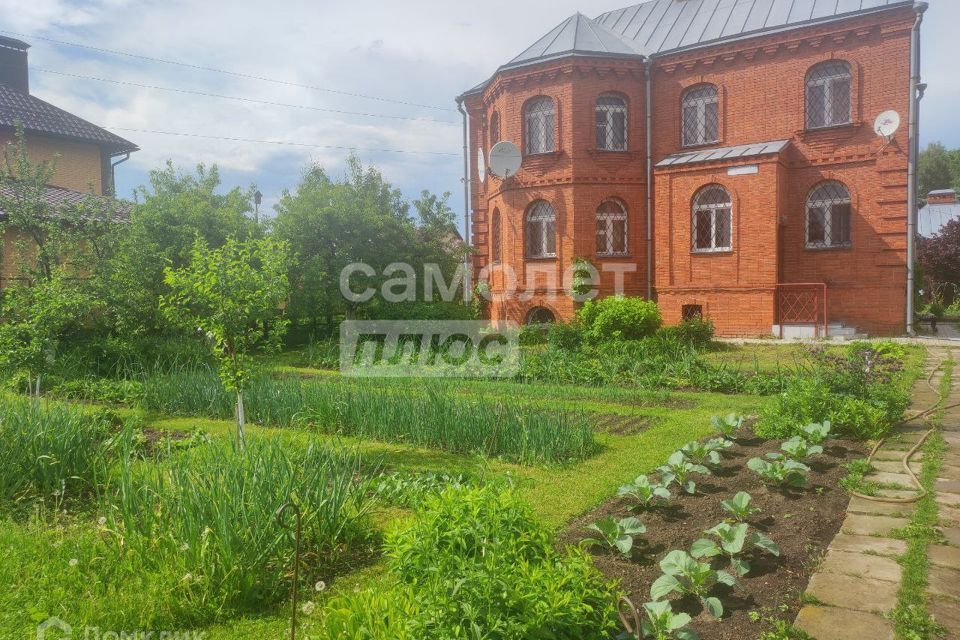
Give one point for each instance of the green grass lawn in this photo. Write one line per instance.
(29, 546)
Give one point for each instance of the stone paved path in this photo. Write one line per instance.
(857, 583)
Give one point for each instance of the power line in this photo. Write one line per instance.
(285, 143)
(237, 74)
(240, 98)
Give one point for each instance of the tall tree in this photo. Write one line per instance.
(935, 170)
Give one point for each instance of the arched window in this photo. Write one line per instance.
(700, 118)
(829, 86)
(494, 128)
(539, 118)
(541, 316)
(828, 216)
(541, 230)
(712, 219)
(611, 228)
(495, 241)
(611, 118)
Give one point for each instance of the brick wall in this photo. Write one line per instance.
(78, 167)
(761, 84)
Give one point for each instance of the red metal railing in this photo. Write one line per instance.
(802, 303)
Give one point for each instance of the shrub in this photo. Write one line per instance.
(52, 451)
(566, 336)
(697, 332)
(620, 318)
(475, 563)
(209, 515)
(105, 390)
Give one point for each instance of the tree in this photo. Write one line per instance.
(232, 295)
(937, 168)
(33, 319)
(940, 256)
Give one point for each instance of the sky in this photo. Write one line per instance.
(396, 65)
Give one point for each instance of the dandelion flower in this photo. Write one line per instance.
(320, 586)
(184, 547)
(73, 562)
(308, 607)
(102, 521)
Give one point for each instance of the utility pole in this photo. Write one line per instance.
(257, 199)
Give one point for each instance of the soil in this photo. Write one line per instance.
(620, 425)
(802, 523)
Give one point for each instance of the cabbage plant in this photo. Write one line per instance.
(663, 624)
(798, 449)
(817, 433)
(731, 541)
(740, 506)
(679, 469)
(780, 471)
(699, 453)
(727, 427)
(615, 534)
(644, 492)
(682, 573)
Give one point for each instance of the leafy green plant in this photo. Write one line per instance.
(683, 574)
(727, 427)
(817, 433)
(700, 453)
(615, 534)
(740, 506)
(619, 318)
(645, 493)
(731, 542)
(781, 472)
(798, 449)
(663, 624)
(679, 469)
(719, 444)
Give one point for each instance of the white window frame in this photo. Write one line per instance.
(540, 221)
(606, 112)
(606, 220)
(700, 104)
(825, 206)
(537, 116)
(829, 84)
(714, 210)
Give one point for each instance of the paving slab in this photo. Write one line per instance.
(946, 613)
(861, 565)
(901, 480)
(948, 500)
(872, 507)
(869, 544)
(872, 525)
(952, 535)
(896, 466)
(945, 582)
(950, 517)
(857, 594)
(944, 556)
(826, 623)
(947, 486)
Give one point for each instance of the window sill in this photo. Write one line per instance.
(613, 256)
(711, 252)
(837, 247)
(552, 258)
(700, 145)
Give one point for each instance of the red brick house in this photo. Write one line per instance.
(717, 156)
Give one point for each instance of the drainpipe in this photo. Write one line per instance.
(914, 154)
(468, 276)
(649, 99)
(113, 173)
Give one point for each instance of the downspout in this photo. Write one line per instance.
(913, 156)
(468, 276)
(113, 173)
(649, 108)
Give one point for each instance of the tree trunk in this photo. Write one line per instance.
(241, 422)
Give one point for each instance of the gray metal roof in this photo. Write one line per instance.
(943, 192)
(724, 153)
(59, 198)
(577, 34)
(660, 26)
(933, 217)
(42, 117)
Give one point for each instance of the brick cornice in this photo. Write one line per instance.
(547, 72)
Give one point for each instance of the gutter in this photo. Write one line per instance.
(916, 94)
(468, 277)
(113, 173)
(649, 187)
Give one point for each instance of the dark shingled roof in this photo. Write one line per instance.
(42, 117)
(60, 197)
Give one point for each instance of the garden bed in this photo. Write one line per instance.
(802, 523)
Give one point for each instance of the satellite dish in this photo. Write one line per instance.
(481, 165)
(505, 160)
(887, 124)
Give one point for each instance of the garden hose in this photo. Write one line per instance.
(924, 415)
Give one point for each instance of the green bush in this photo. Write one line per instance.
(105, 390)
(619, 318)
(566, 336)
(475, 563)
(696, 331)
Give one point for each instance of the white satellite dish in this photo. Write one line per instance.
(481, 165)
(887, 124)
(505, 160)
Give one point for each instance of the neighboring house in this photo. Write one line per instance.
(772, 200)
(941, 208)
(86, 153)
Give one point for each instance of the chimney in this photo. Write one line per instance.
(14, 72)
(943, 196)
